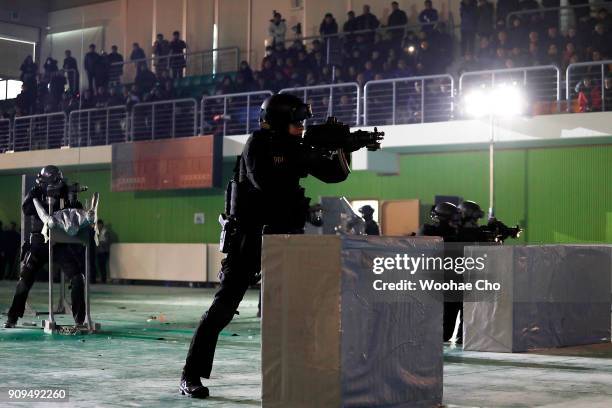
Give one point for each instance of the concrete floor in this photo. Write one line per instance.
(137, 359)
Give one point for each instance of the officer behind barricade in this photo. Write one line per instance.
(471, 233)
(264, 197)
(371, 227)
(35, 252)
(469, 230)
(446, 219)
(494, 232)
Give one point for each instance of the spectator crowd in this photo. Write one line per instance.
(57, 89)
(360, 49)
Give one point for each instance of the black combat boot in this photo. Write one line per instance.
(10, 323)
(192, 386)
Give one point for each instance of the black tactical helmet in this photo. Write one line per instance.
(366, 210)
(445, 212)
(470, 211)
(280, 110)
(49, 175)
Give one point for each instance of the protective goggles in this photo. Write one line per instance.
(301, 113)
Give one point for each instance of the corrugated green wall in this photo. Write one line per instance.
(560, 194)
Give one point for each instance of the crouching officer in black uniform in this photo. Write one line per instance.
(35, 253)
(446, 219)
(264, 197)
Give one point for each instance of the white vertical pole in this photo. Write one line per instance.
(50, 243)
(249, 29)
(215, 36)
(492, 168)
(154, 26)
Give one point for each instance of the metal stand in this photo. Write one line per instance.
(63, 306)
(58, 236)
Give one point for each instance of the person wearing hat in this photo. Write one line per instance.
(371, 227)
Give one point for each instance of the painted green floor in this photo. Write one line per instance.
(136, 361)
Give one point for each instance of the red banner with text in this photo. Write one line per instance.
(170, 164)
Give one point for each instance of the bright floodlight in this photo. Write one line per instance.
(507, 101)
(502, 101)
(477, 103)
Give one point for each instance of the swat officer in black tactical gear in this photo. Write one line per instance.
(371, 227)
(494, 232)
(264, 197)
(469, 230)
(35, 252)
(446, 219)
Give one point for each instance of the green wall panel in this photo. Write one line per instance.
(560, 194)
(570, 194)
(10, 196)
